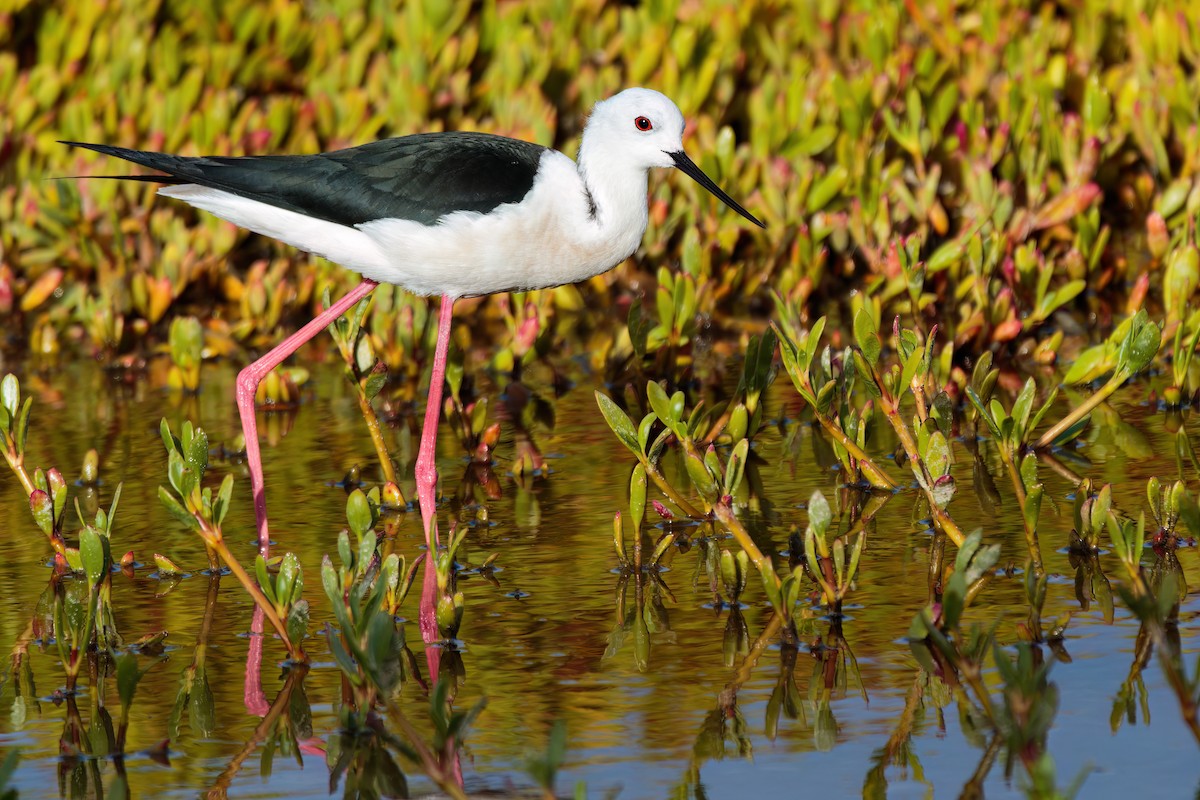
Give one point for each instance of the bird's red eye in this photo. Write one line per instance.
(643, 123)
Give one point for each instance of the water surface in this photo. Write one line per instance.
(539, 644)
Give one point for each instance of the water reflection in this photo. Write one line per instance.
(664, 675)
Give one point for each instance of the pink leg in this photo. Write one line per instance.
(252, 691)
(247, 384)
(426, 476)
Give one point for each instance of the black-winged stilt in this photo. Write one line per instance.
(455, 214)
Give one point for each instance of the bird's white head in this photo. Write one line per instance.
(644, 124)
(643, 128)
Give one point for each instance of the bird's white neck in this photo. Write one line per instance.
(617, 196)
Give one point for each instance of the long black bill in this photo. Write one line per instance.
(688, 167)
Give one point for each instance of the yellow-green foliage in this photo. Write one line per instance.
(1012, 139)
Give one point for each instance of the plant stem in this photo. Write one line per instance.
(1031, 535)
(373, 427)
(261, 732)
(732, 524)
(941, 518)
(666, 488)
(429, 761)
(1096, 399)
(1014, 476)
(874, 474)
(217, 542)
(17, 462)
(742, 675)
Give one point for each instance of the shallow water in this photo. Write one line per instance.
(540, 644)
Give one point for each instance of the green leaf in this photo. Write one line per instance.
(756, 370)
(358, 513)
(1091, 364)
(1047, 404)
(656, 447)
(937, 455)
(177, 510)
(713, 462)
(344, 661)
(22, 425)
(618, 421)
(825, 395)
(1022, 409)
(984, 413)
(1028, 471)
(661, 404)
(297, 621)
(128, 676)
(855, 555)
(664, 301)
(1033, 506)
(866, 337)
(677, 401)
(290, 582)
(770, 586)
(868, 377)
(91, 550)
(10, 394)
(705, 482)
(166, 566)
(698, 417)
(911, 365)
(736, 465)
(1142, 347)
(221, 507)
(330, 582)
(817, 140)
(826, 188)
(641, 642)
(176, 471)
(637, 496)
(945, 256)
(813, 341)
(265, 584)
(953, 601)
(197, 455)
(639, 327)
(169, 440)
(795, 363)
(375, 383)
(43, 511)
(644, 428)
(819, 514)
(366, 550)
(202, 706)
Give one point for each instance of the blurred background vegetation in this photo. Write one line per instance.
(979, 165)
(1020, 175)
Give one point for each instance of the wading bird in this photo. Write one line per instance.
(454, 214)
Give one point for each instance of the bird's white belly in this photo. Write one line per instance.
(524, 245)
(548, 239)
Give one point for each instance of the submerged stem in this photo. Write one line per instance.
(215, 540)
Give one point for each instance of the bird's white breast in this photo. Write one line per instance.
(548, 239)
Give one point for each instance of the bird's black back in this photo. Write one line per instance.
(420, 177)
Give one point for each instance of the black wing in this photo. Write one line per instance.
(419, 178)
